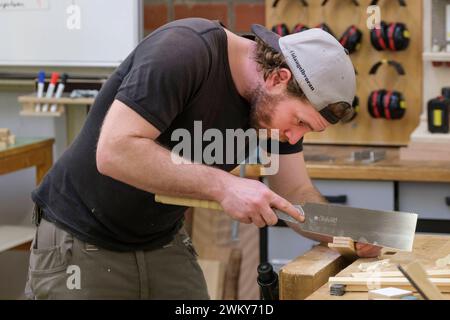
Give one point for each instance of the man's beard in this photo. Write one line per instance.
(262, 108)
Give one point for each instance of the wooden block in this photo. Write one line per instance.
(4, 133)
(424, 285)
(3, 145)
(443, 262)
(388, 294)
(306, 274)
(12, 140)
(398, 274)
(214, 272)
(367, 284)
(345, 247)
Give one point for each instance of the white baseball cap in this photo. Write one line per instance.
(322, 68)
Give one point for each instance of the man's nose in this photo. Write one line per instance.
(294, 136)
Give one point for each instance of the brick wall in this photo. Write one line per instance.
(237, 15)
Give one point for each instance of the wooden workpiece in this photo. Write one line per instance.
(307, 273)
(391, 168)
(427, 250)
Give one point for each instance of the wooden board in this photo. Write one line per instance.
(307, 273)
(340, 14)
(427, 287)
(214, 272)
(427, 250)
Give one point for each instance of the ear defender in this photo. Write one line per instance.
(351, 39)
(393, 36)
(326, 28)
(378, 37)
(399, 36)
(299, 27)
(281, 29)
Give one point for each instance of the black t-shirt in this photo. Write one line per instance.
(177, 75)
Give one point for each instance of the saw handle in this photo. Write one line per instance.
(187, 202)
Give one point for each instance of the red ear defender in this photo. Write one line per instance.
(351, 39)
(299, 27)
(387, 104)
(281, 29)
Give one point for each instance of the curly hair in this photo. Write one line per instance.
(271, 61)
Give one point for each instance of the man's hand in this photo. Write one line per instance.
(250, 201)
(367, 250)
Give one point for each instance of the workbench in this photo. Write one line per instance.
(389, 184)
(25, 153)
(317, 266)
(391, 168)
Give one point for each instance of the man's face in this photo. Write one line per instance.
(293, 117)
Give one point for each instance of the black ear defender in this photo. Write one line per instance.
(401, 2)
(326, 28)
(300, 27)
(356, 107)
(351, 39)
(355, 2)
(275, 3)
(281, 29)
(393, 36)
(383, 103)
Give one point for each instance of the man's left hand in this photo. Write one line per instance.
(364, 250)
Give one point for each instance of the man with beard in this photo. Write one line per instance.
(96, 209)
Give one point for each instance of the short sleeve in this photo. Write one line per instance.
(167, 71)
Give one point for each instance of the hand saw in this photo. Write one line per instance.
(394, 230)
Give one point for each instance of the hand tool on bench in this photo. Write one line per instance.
(394, 230)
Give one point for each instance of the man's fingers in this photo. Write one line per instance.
(258, 221)
(269, 216)
(287, 207)
(367, 250)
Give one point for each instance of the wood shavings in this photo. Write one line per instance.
(374, 266)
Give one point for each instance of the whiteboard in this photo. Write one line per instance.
(97, 33)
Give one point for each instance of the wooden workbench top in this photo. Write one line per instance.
(427, 250)
(391, 168)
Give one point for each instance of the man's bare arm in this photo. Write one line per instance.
(127, 152)
(293, 183)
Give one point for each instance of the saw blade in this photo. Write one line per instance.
(395, 230)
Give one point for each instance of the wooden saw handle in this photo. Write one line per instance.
(187, 202)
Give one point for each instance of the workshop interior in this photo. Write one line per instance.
(385, 173)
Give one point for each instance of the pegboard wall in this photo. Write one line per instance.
(339, 15)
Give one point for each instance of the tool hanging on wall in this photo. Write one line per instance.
(351, 39)
(325, 27)
(281, 29)
(387, 104)
(300, 27)
(394, 36)
(275, 3)
(401, 2)
(355, 2)
(439, 113)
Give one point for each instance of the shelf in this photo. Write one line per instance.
(14, 236)
(436, 56)
(60, 101)
(28, 113)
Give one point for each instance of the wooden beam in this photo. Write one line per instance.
(303, 276)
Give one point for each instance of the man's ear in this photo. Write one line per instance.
(279, 78)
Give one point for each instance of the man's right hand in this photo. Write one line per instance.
(250, 201)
